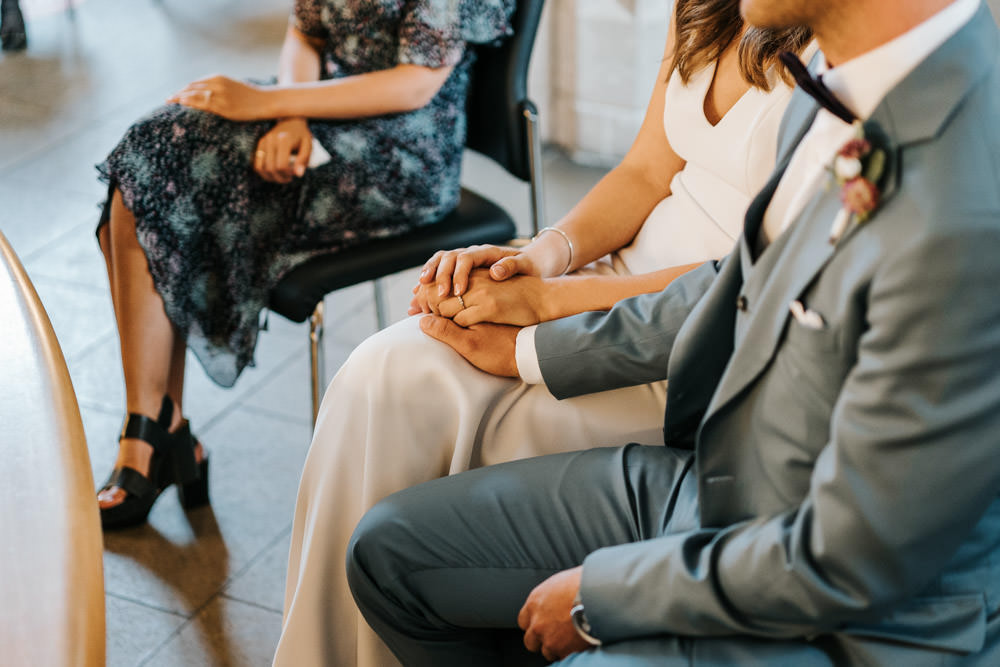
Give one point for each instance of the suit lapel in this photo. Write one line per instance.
(799, 257)
(704, 344)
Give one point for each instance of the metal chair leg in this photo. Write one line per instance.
(316, 357)
(535, 163)
(381, 304)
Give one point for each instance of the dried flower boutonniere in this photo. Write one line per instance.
(857, 168)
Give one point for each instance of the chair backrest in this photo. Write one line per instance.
(497, 126)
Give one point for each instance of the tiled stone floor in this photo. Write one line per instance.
(204, 588)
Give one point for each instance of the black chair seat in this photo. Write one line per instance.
(476, 220)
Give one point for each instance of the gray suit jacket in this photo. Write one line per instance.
(848, 477)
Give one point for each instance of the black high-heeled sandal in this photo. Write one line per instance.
(13, 36)
(173, 461)
(191, 474)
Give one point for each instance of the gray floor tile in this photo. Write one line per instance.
(288, 392)
(180, 560)
(69, 167)
(566, 183)
(97, 376)
(74, 257)
(80, 316)
(101, 429)
(20, 118)
(35, 214)
(135, 631)
(205, 401)
(263, 583)
(227, 633)
(285, 393)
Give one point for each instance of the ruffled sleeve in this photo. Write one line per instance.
(307, 17)
(433, 33)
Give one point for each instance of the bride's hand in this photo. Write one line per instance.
(519, 301)
(449, 270)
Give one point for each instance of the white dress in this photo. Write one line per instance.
(404, 408)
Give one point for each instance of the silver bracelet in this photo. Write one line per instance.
(569, 244)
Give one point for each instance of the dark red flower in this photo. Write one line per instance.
(856, 148)
(859, 196)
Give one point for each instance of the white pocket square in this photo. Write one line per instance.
(810, 319)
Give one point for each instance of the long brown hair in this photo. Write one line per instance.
(704, 28)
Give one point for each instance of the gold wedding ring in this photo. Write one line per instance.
(461, 301)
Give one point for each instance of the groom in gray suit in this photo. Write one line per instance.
(830, 489)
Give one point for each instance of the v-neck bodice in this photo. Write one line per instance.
(726, 164)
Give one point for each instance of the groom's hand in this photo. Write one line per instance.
(488, 347)
(545, 616)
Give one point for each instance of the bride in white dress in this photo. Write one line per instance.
(405, 408)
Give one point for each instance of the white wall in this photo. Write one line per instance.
(592, 72)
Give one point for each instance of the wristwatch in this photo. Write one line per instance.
(580, 622)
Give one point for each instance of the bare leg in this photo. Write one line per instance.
(149, 342)
(175, 380)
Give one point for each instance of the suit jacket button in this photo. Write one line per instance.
(742, 303)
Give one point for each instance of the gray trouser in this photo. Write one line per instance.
(441, 570)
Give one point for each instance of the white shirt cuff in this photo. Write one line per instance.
(526, 357)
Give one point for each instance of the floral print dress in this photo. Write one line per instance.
(218, 237)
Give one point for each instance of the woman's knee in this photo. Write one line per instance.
(399, 359)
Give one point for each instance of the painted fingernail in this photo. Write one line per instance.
(442, 290)
(456, 290)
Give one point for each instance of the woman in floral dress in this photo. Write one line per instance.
(215, 196)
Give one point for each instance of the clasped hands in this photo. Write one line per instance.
(283, 153)
(495, 302)
(508, 291)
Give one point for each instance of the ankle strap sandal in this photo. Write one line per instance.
(172, 461)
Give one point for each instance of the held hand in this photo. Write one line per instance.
(488, 347)
(545, 616)
(518, 301)
(449, 269)
(283, 153)
(425, 299)
(224, 97)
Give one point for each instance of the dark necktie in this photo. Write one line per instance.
(814, 86)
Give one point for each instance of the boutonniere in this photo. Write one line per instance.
(857, 168)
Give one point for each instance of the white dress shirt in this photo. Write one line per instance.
(860, 84)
